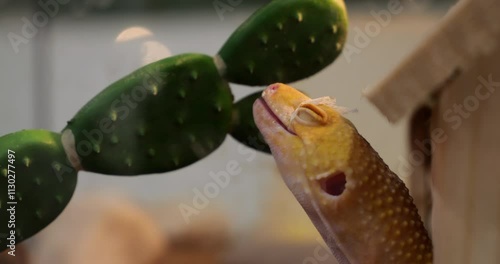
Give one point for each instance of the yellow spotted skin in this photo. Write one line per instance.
(372, 219)
(376, 206)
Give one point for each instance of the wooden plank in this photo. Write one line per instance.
(459, 61)
(468, 31)
(465, 167)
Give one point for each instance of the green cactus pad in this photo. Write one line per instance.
(243, 128)
(162, 117)
(36, 180)
(285, 41)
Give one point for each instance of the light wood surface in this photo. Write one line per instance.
(465, 172)
(458, 65)
(470, 30)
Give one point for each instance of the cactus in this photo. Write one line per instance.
(161, 117)
(170, 113)
(285, 41)
(243, 126)
(36, 182)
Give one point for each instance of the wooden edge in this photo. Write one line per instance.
(465, 33)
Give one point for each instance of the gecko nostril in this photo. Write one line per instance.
(274, 87)
(333, 184)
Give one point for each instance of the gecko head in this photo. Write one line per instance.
(309, 138)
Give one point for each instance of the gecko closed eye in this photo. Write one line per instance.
(309, 115)
(333, 184)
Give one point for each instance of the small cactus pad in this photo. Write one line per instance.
(37, 183)
(243, 128)
(162, 117)
(285, 41)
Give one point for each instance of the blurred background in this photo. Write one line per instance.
(52, 65)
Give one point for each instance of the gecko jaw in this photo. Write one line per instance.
(273, 115)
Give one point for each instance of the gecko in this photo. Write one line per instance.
(362, 209)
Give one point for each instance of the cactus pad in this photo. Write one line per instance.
(285, 41)
(243, 128)
(162, 117)
(36, 180)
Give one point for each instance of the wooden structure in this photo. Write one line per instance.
(450, 85)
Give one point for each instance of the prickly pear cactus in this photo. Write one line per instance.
(36, 182)
(243, 126)
(164, 116)
(285, 41)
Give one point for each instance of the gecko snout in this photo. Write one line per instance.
(333, 184)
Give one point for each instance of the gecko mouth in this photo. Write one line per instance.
(274, 116)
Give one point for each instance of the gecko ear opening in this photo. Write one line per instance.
(333, 184)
